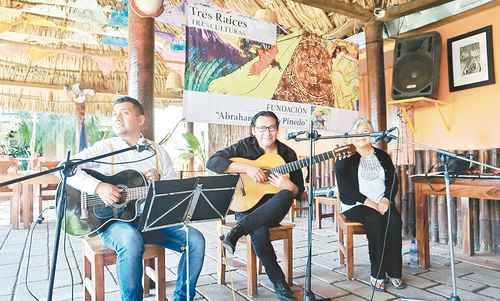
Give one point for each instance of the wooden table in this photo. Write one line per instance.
(24, 194)
(481, 188)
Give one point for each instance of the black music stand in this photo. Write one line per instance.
(179, 202)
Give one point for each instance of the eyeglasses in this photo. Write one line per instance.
(262, 129)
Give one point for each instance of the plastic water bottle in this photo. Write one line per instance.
(413, 253)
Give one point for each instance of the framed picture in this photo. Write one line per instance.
(470, 60)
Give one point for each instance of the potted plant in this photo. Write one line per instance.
(194, 149)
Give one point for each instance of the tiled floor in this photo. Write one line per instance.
(328, 281)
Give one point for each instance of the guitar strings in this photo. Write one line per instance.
(94, 200)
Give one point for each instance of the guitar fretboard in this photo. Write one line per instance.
(134, 193)
(296, 165)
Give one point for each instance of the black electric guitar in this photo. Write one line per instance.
(87, 213)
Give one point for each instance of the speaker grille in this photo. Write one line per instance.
(413, 73)
(416, 66)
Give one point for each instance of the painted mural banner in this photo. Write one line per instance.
(235, 67)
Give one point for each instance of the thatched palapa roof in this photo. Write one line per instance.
(46, 44)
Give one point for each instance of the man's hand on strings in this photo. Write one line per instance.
(109, 193)
(256, 173)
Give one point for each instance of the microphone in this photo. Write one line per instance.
(294, 135)
(385, 135)
(142, 145)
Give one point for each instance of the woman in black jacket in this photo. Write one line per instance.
(367, 186)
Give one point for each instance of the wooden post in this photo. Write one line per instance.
(376, 76)
(79, 119)
(485, 238)
(141, 66)
(417, 169)
(442, 222)
(466, 214)
(495, 211)
(404, 199)
(475, 224)
(430, 159)
(454, 225)
(460, 223)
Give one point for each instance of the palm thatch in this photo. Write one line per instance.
(52, 43)
(32, 99)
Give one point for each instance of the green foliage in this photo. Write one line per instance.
(50, 128)
(194, 148)
(95, 129)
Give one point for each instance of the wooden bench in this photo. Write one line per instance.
(96, 257)
(347, 228)
(282, 232)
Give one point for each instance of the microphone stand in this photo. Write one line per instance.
(67, 170)
(444, 157)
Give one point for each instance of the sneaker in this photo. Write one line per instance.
(378, 284)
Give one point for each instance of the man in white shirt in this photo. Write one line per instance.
(123, 237)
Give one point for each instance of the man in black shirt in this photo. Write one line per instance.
(271, 209)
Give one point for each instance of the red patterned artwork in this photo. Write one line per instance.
(307, 77)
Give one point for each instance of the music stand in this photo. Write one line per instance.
(179, 202)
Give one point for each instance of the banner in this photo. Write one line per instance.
(233, 71)
(208, 18)
(226, 109)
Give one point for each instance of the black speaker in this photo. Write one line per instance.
(416, 66)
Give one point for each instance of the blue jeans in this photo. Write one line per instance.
(128, 244)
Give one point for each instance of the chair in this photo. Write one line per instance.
(45, 192)
(296, 207)
(319, 215)
(344, 226)
(281, 232)
(8, 164)
(96, 257)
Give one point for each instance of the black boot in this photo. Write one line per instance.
(230, 239)
(284, 292)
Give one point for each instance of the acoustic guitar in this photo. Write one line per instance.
(248, 192)
(87, 213)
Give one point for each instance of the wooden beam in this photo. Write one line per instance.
(410, 7)
(351, 10)
(158, 96)
(346, 29)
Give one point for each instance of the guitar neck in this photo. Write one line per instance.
(134, 193)
(296, 165)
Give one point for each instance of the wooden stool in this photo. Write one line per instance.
(344, 226)
(318, 201)
(282, 232)
(96, 256)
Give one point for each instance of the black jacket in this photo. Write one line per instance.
(346, 173)
(249, 148)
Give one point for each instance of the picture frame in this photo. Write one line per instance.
(470, 60)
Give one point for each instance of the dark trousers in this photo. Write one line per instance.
(257, 221)
(375, 225)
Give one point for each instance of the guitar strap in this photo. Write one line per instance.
(113, 159)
